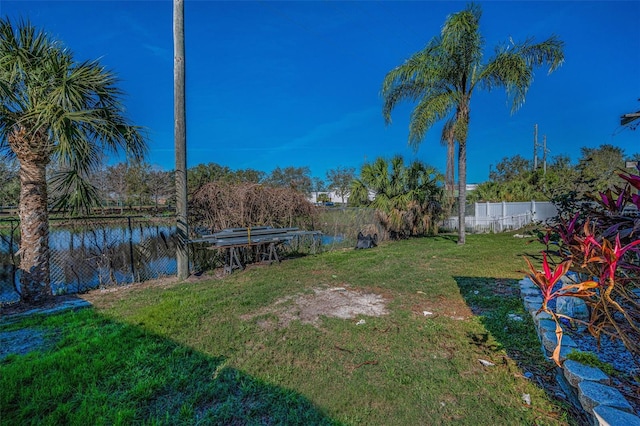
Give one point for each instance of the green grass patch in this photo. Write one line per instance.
(240, 350)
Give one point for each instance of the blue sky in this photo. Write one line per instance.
(297, 83)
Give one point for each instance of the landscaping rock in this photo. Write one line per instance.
(530, 292)
(526, 282)
(532, 303)
(592, 394)
(576, 372)
(541, 316)
(550, 341)
(608, 416)
(565, 351)
(572, 307)
(546, 325)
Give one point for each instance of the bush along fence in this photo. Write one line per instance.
(93, 252)
(500, 217)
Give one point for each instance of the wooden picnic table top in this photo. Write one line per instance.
(251, 236)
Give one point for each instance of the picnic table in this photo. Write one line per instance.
(262, 241)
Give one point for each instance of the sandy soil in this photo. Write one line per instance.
(336, 302)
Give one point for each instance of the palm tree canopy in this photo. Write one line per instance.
(395, 184)
(442, 77)
(69, 111)
(407, 198)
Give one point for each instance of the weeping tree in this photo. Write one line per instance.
(407, 199)
(443, 76)
(54, 110)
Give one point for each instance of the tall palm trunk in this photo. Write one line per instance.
(462, 190)
(33, 155)
(462, 117)
(450, 173)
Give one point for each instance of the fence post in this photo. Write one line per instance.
(133, 268)
(533, 210)
(475, 216)
(14, 268)
(504, 216)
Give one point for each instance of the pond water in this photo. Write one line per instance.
(83, 259)
(89, 257)
(329, 240)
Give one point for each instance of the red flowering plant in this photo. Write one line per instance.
(600, 245)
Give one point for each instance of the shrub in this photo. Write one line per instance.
(219, 205)
(407, 198)
(599, 243)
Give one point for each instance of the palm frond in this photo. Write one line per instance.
(462, 41)
(416, 77)
(359, 195)
(428, 111)
(513, 65)
(549, 52)
(72, 192)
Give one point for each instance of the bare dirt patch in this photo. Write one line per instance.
(336, 302)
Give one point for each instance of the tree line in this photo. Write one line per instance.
(126, 186)
(129, 185)
(516, 179)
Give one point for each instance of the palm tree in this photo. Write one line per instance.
(53, 109)
(443, 76)
(407, 199)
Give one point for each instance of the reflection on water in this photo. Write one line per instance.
(328, 240)
(90, 256)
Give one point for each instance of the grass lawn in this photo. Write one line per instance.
(245, 350)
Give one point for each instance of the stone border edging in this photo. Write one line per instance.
(587, 387)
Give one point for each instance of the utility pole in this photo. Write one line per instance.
(180, 140)
(535, 147)
(544, 155)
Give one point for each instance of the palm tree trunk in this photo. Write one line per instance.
(462, 190)
(449, 178)
(34, 229)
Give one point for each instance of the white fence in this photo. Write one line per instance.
(500, 217)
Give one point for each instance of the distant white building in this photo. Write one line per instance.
(323, 195)
(333, 197)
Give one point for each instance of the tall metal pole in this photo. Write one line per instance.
(535, 147)
(180, 135)
(544, 154)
